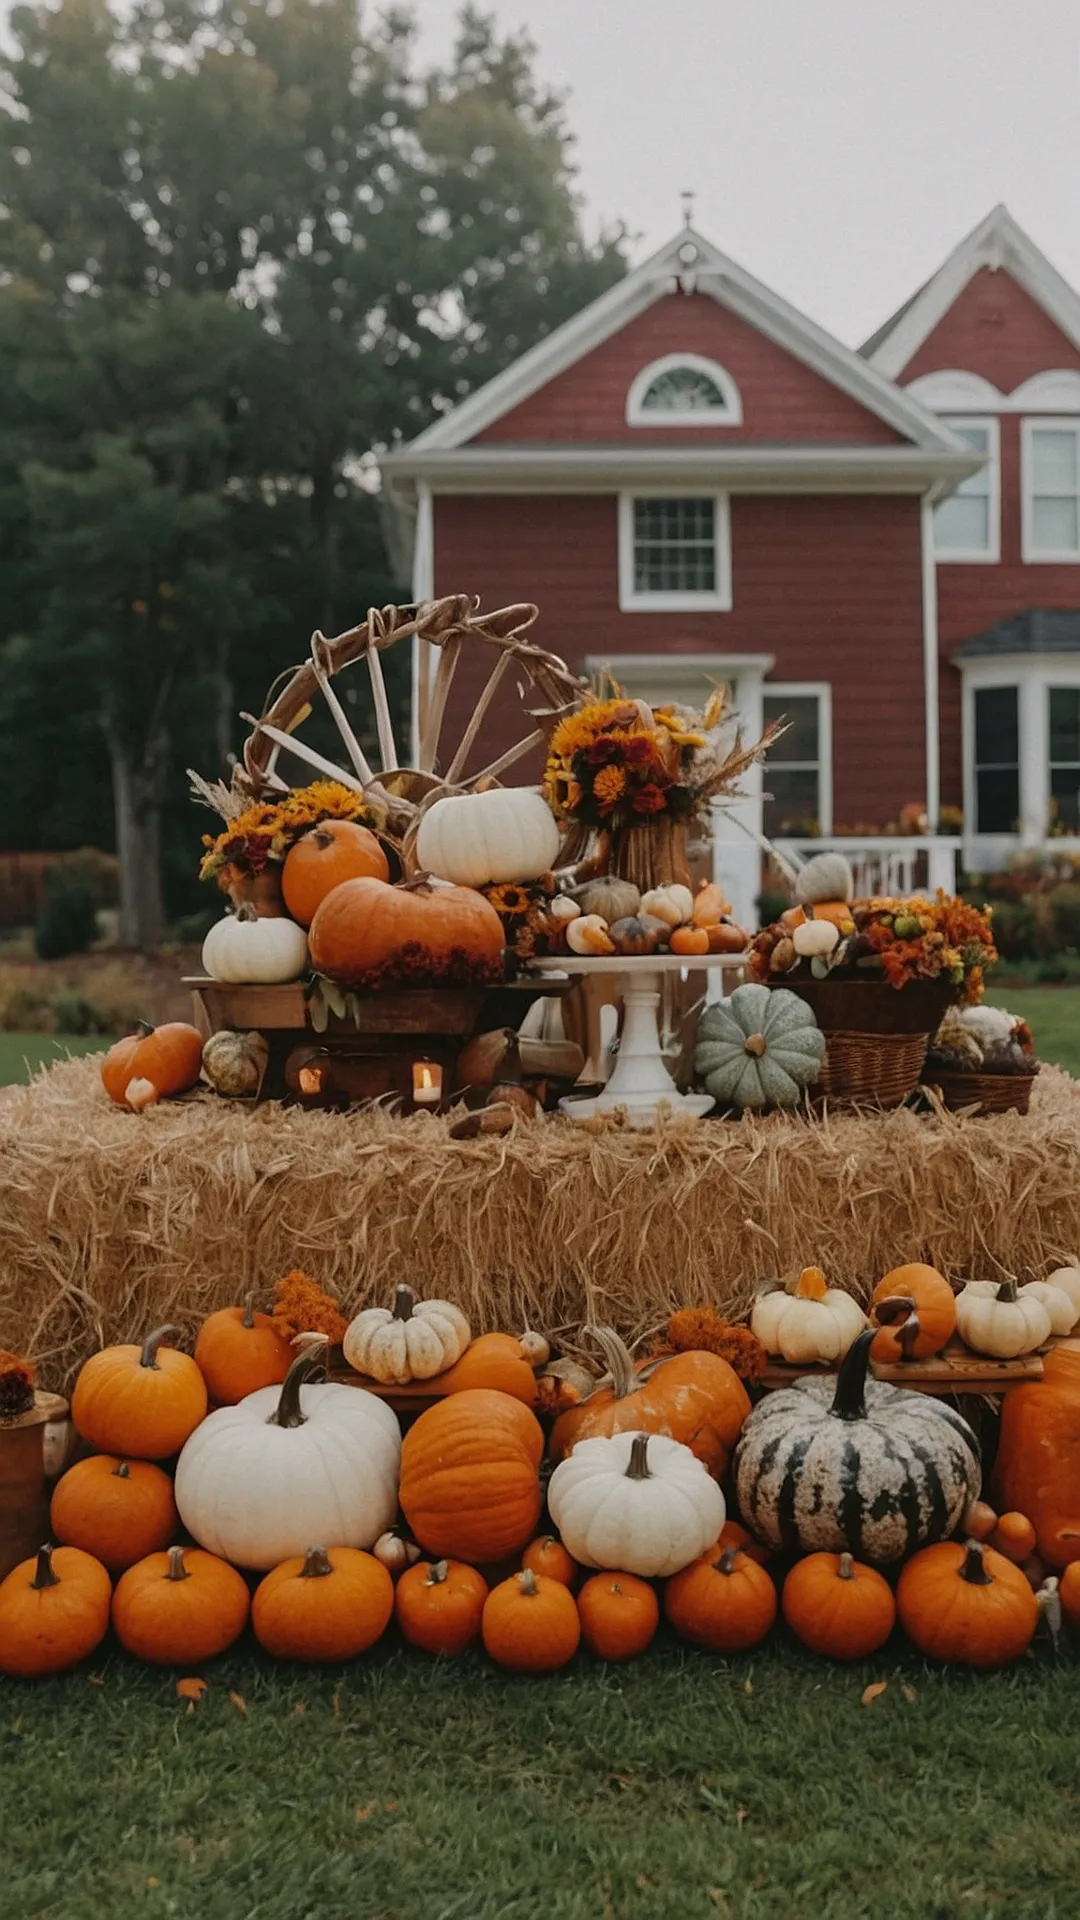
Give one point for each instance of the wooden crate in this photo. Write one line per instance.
(954, 1370)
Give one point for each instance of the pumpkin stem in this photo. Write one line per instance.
(247, 1318)
(1007, 1289)
(849, 1400)
(144, 1028)
(436, 1574)
(527, 1583)
(43, 1571)
(726, 1562)
(810, 1285)
(121, 1471)
(288, 1412)
(756, 1044)
(843, 1571)
(973, 1569)
(161, 1336)
(901, 1307)
(316, 1564)
(404, 1302)
(619, 1364)
(176, 1569)
(638, 1466)
(245, 913)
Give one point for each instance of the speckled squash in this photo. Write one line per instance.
(758, 1049)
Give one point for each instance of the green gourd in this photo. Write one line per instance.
(758, 1049)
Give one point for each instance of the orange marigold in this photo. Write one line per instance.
(703, 1327)
(609, 787)
(301, 1306)
(16, 1386)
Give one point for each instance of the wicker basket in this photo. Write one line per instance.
(989, 1092)
(871, 1068)
(876, 1036)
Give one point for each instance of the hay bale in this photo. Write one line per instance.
(111, 1222)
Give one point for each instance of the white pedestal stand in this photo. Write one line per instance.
(641, 1083)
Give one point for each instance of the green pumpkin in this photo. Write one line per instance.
(758, 1049)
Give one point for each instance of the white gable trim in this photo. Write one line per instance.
(952, 390)
(729, 284)
(998, 243)
(729, 414)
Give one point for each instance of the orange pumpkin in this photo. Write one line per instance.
(724, 1601)
(1069, 1593)
(491, 1360)
(152, 1063)
(323, 1605)
(546, 1554)
(180, 1607)
(54, 1610)
(118, 1510)
(962, 1601)
(979, 1521)
(1037, 1470)
(709, 905)
(470, 1487)
(139, 1402)
(531, 1624)
(726, 937)
(238, 1351)
(619, 1615)
(837, 1606)
(440, 1606)
(695, 1397)
(838, 911)
(689, 940)
(1014, 1536)
(369, 934)
(734, 1535)
(334, 851)
(935, 1310)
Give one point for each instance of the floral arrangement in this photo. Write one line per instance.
(533, 930)
(260, 835)
(695, 1328)
(899, 940)
(617, 762)
(301, 1306)
(16, 1386)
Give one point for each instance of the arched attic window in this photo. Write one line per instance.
(683, 390)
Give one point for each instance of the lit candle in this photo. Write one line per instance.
(426, 1083)
(310, 1079)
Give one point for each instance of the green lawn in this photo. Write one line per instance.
(23, 1053)
(678, 1788)
(1053, 1014)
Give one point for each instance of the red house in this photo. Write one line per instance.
(697, 485)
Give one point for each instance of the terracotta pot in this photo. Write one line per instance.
(261, 891)
(24, 1488)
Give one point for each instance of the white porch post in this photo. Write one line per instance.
(1034, 758)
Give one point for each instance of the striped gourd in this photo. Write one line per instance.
(866, 1469)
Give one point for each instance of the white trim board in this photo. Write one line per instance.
(495, 468)
(731, 286)
(1000, 244)
(728, 414)
(953, 390)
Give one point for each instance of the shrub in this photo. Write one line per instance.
(771, 903)
(67, 922)
(1016, 930)
(1064, 906)
(25, 1006)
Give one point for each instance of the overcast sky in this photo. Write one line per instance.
(838, 148)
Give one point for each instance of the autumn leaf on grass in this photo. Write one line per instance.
(237, 1700)
(910, 1694)
(874, 1692)
(192, 1691)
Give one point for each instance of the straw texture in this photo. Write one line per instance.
(111, 1223)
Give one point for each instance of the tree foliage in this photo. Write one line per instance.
(243, 247)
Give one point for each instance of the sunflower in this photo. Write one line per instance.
(509, 900)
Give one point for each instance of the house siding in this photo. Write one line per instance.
(783, 401)
(831, 585)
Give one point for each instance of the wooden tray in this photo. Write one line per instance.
(954, 1370)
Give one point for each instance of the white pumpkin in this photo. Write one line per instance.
(482, 839)
(1064, 1311)
(1001, 1321)
(1067, 1279)
(258, 1482)
(235, 1064)
(636, 1502)
(807, 1322)
(243, 950)
(815, 939)
(412, 1340)
(827, 876)
(673, 905)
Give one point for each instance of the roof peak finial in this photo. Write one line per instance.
(688, 196)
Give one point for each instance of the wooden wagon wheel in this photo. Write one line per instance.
(447, 626)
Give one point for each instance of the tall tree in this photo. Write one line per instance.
(244, 247)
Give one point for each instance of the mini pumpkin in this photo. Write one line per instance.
(325, 1604)
(815, 939)
(395, 1551)
(734, 1535)
(54, 1610)
(1067, 1280)
(1058, 1302)
(1014, 1536)
(531, 1624)
(825, 877)
(485, 839)
(637, 1501)
(674, 905)
(491, 1360)
(239, 1350)
(440, 1606)
(727, 937)
(710, 906)
(180, 1607)
(962, 1601)
(758, 1049)
(619, 1615)
(723, 1601)
(837, 1606)
(152, 1064)
(694, 1397)
(979, 1520)
(470, 1487)
(588, 936)
(546, 1554)
(1069, 1593)
(118, 1510)
(412, 1340)
(235, 1064)
(244, 948)
(333, 852)
(807, 1321)
(610, 899)
(689, 940)
(140, 1402)
(934, 1304)
(1001, 1320)
(639, 934)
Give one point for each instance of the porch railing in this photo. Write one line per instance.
(893, 864)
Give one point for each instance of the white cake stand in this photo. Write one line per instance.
(641, 1083)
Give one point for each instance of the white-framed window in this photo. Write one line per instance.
(1050, 511)
(798, 770)
(996, 758)
(1063, 729)
(674, 552)
(967, 526)
(683, 390)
